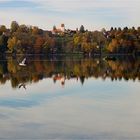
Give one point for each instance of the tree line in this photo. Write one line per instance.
(22, 39)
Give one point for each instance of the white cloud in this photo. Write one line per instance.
(91, 13)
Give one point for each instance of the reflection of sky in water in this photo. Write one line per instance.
(96, 110)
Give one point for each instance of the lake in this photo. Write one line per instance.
(70, 98)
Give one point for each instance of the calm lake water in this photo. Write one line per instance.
(70, 99)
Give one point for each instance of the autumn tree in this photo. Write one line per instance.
(12, 44)
(14, 26)
(38, 44)
(2, 29)
(23, 28)
(49, 44)
(113, 46)
(35, 30)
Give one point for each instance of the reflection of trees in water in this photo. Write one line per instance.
(126, 68)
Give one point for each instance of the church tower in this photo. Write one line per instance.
(63, 27)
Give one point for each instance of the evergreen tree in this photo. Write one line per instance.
(82, 29)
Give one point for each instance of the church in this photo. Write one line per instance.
(58, 31)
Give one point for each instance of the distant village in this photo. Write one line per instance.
(61, 30)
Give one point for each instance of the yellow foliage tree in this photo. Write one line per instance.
(113, 45)
(12, 43)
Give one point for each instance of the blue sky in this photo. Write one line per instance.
(93, 14)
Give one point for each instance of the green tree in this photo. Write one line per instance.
(82, 29)
(3, 43)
